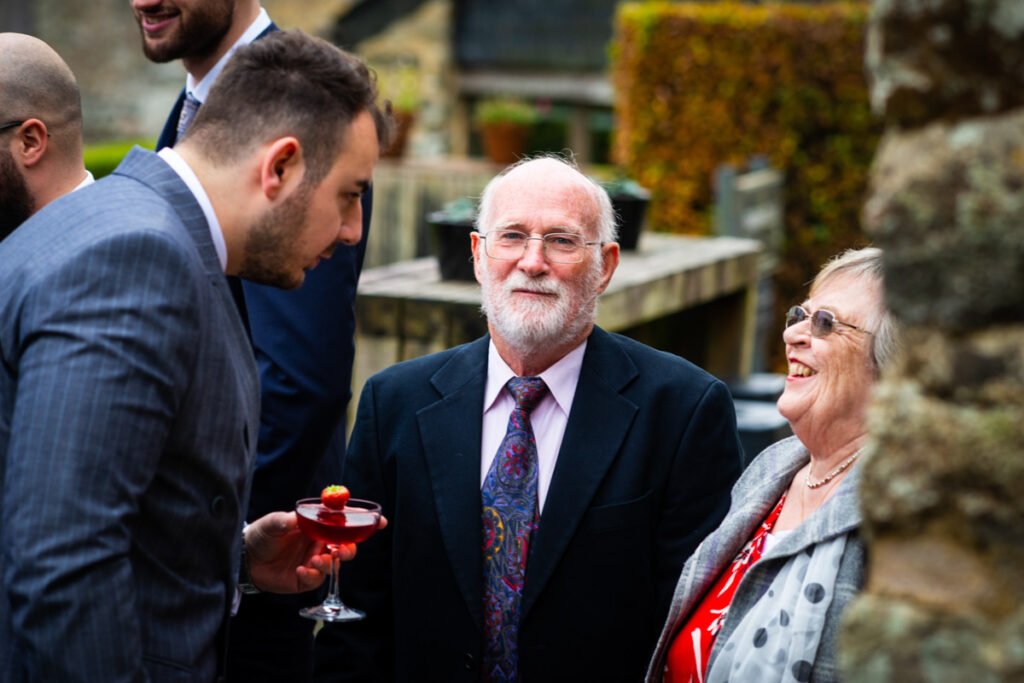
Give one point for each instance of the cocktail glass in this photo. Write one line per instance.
(354, 524)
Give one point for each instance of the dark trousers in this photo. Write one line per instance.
(268, 642)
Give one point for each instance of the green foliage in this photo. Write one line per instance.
(104, 157)
(700, 85)
(504, 110)
(399, 83)
(460, 210)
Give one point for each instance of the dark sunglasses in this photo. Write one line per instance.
(823, 323)
(9, 125)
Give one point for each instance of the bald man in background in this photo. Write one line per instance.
(40, 129)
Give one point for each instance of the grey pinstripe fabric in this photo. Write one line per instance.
(753, 496)
(128, 408)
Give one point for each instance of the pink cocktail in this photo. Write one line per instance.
(355, 523)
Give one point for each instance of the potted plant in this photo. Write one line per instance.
(504, 124)
(629, 201)
(403, 91)
(451, 227)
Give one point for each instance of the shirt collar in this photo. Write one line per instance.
(561, 378)
(201, 90)
(86, 181)
(188, 176)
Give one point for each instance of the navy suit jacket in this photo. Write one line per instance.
(128, 416)
(304, 341)
(648, 457)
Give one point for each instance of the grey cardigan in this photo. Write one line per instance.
(754, 495)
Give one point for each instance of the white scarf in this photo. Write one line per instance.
(777, 640)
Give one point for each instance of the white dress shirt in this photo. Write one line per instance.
(86, 181)
(186, 173)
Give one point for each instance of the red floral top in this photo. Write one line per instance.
(688, 656)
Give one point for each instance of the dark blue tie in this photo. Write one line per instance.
(509, 518)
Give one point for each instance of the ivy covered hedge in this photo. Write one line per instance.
(704, 84)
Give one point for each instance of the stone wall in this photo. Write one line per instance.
(944, 514)
(123, 94)
(413, 60)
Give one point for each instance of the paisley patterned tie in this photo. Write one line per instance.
(509, 518)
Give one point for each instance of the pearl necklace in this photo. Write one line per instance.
(811, 484)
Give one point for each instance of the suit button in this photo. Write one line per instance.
(217, 506)
(468, 659)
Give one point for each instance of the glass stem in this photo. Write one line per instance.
(332, 591)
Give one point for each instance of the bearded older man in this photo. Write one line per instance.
(544, 483)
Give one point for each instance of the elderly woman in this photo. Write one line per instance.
(761, 597)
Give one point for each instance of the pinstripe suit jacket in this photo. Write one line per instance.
(128, 408)
(753, 497)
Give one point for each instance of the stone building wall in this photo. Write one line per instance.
(944, 514)
(124, 95)
(413, 60)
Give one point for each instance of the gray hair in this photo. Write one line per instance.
(604, 228)
(866, 263)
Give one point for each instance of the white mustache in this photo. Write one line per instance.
(519, 281)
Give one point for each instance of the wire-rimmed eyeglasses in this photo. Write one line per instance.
(823, 323)
(557, 247)
(9, 125)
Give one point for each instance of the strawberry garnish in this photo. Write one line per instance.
(335, 497)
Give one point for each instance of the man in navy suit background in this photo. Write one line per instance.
(636, 452)
(303, 341)
(129, 396)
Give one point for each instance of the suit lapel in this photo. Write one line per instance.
(451, 434)
(149, 169)
(598, 423)
(169, 135)
(152, 171)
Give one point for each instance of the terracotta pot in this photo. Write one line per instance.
(504, 143)
(403, 124)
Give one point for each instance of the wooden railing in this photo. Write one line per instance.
(404, 192)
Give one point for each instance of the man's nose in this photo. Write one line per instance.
(533, 259)
(351, 230)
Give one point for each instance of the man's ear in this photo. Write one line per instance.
(609, 262)
(32, 140)
(476, 245)
(282, 166)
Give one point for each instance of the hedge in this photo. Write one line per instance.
(104, 157)
(703, 84)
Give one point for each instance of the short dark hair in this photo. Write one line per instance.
(288, 83)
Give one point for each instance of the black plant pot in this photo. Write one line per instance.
(629, 213)
(452, 246)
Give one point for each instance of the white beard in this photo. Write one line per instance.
(526, 324)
